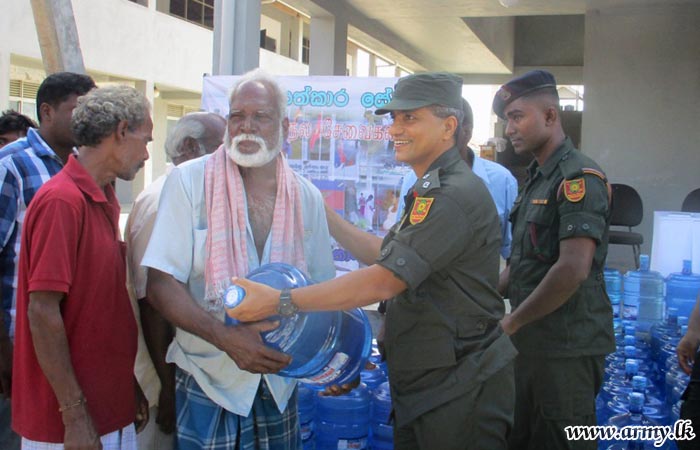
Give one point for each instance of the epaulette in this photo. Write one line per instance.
(428, 182)
(579, 172)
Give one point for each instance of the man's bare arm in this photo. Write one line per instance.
(53, 353)
(356, 289)
(363, 245)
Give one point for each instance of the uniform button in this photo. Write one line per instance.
(400, 262)
(385, 251)
(480, 325)
(585, 226)
(570, 228)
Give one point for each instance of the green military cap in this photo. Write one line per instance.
(534, 80)
(425, 89)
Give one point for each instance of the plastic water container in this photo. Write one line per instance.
(372, 376)
(635, 418)
(382, 434)
(682, 289)
(643, 297)
(329, 347)
(306, 409)
(653, 406)
(343, 422)
(657, 332)
(613, 286)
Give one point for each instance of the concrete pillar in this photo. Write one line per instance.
(642, 102)
(58, 36)
(329, 43)
(236, 36)
(4, 80)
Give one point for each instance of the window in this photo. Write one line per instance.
(23, 97)
(305, 48)
(197, 11)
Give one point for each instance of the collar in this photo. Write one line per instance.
(86, 183)
(41, 148)
(552, 162)
(445, 160)
(479, 168)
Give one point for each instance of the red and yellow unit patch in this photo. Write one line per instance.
(421, 206)
(575, 190)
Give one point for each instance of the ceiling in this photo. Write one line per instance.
(480, 39)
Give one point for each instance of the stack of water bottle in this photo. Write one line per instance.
(356, 420)
(643, 382)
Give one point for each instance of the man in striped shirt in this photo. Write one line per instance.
(25, 165)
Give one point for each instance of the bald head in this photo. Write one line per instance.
(194, 135)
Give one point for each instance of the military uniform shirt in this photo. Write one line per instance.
(442, 336)
(566, 197)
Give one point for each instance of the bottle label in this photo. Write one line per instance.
(352, 444)
(331, 372)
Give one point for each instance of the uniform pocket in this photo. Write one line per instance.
(542, 233)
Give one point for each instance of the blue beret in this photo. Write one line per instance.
(425, 89)
(526, 83)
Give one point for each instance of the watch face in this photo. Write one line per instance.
(287, 309)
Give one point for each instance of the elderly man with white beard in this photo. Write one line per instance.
(223, 215)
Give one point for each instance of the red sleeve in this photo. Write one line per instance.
(52, 234)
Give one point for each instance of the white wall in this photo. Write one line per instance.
(642, 78)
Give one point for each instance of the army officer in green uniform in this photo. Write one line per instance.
(561, 322)
(450, 364)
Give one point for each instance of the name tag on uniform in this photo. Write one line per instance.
(539, 201)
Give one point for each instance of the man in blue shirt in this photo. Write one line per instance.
(500, 182)
(25, 165)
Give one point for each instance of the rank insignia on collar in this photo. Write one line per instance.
(421, 206)
(575, 190)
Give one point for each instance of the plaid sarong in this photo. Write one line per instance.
(204, 425)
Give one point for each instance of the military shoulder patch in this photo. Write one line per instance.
(421, 206)
(575, 190)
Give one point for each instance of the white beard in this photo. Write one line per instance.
(257, 159)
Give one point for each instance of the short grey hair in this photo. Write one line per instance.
(444, 112)
(187, 127)
(99, 112)
(278, 93)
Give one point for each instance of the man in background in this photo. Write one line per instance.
(76, 334)
(561, 321)
(13, 126)
(25, 165)
(194, 135)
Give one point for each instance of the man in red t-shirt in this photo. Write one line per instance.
(76, 335)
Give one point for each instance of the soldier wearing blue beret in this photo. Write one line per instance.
(450, 363)
(561, 321)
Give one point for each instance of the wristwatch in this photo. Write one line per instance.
(286, 308)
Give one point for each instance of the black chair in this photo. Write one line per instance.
(692, 202)
(627, 211)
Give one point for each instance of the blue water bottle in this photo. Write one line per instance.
(306, 409)
(613, 286)
(343, 421)
(327, 348)
(635, 418)
(643, 297)
(382, 435)
(682, 289)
